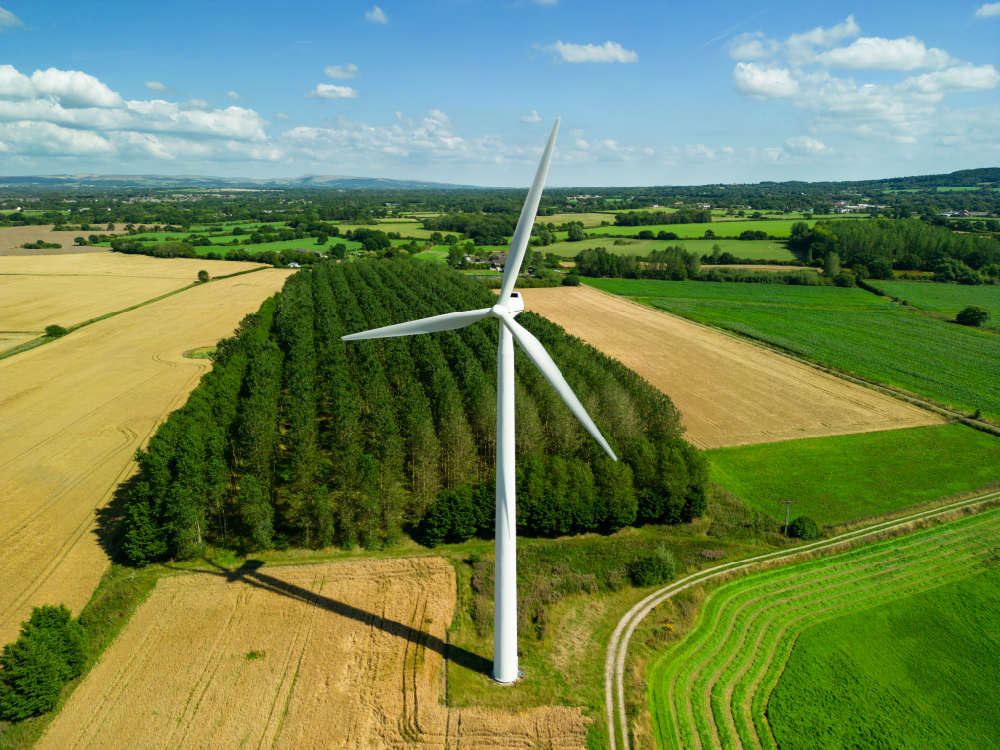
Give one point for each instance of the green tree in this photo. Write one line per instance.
(973, 315)
(30, 679)
(63, 636)
(256, 512)
(831, 265)
(576, 232)
(654, 569)
(202, 277)
(55, 331)
(456, 258)
(694, 265)
(80, 240)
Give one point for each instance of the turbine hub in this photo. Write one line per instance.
(498, 311)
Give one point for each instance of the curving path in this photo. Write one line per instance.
(711, 699)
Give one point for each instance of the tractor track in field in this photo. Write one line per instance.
(617, 650)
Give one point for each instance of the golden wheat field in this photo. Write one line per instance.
(36, 291)
(336, 655)
(11, 239)
(729, 392)
(72, 413)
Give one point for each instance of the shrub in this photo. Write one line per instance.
(202, 277)
(844, 279)
(55, 331)
(652, 570)
(973, 316)
(571, 279)
(803, 527)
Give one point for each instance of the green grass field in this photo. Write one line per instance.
(947, 299)
(881, 689)
(712, 688)
(836, 479)
(848, 329)
(774, 227)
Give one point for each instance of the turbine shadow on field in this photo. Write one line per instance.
(251, 574)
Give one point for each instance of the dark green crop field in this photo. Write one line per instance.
(947, 299)
(917, 673)
(835, 479)
(848, 329)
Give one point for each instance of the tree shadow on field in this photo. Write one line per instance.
(250, 573)
(110, 526)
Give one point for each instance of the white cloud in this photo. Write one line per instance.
(886, 54)
(533, 116)
(609, 52)
(807, 145)
(70, 88)
(985, 11)
(800, 46)
(577, 132)
(329, 91)
(343, 72)
(580, 143)
(407, 120)
(934, 86)
(233, 95)
(9, 19)
(773, 154)
(753, 46)
(281, 116)
(376, 15)
(197, 104)
(763, 83)
(157, 86)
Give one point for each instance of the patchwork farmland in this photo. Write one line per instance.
(729, 392)
(72, 414)
(343, 655)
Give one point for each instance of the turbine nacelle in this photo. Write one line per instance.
(514, 305)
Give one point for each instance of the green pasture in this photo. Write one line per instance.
(788, 658)
(774, 227)
(437, 256)
(869, 336)
(837, 479)
(947, 299)
(912, 674)
(956, 189)
(756, 249)
(592, 219)
(411, 229)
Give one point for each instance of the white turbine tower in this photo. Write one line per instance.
(508, 304)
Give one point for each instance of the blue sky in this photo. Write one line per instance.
(650, 93)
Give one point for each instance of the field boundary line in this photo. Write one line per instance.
(617, 650)
(28, 345)
(888, 390)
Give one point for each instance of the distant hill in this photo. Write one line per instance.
(198, 181)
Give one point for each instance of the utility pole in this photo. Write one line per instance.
(788, 504)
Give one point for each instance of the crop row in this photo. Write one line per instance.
(712, 689)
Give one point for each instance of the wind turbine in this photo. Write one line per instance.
(509, 303)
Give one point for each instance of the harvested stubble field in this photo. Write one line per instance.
(729, 392)
(70, 289)
(73, 412)
(337, 655)
(712, 689)
(11, 239)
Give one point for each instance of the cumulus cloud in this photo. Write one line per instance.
(160, 88)
(934, 86)
(801, 47)
(343, 72)
(752, 46)
(886, 54)
(233, 95)
(281, 116)
(532, 116)
(9, 19)
(985, 11)
(807, 145)
(609, 52)
(376, 15)
(763, 83)
(70, 88)
(329, 91)
(773, 154)
(196, 104)
(401, 118)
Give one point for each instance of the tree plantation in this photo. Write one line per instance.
(297, 437)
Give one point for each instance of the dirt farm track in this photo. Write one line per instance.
(729, 392)
(337, 655)
(72, 413)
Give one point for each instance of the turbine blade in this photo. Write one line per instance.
(446, 322)
(523, 232)
(537, 354)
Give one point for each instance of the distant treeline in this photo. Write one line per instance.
(481, 228)
(296, 437)
(904, 245)
(652, 218)
(677, 264)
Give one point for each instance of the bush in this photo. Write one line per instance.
(844, 279)
(571, 279)
(202, 277)
(55, 331)
(973, 316)
(652, 570)
(803, 527)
